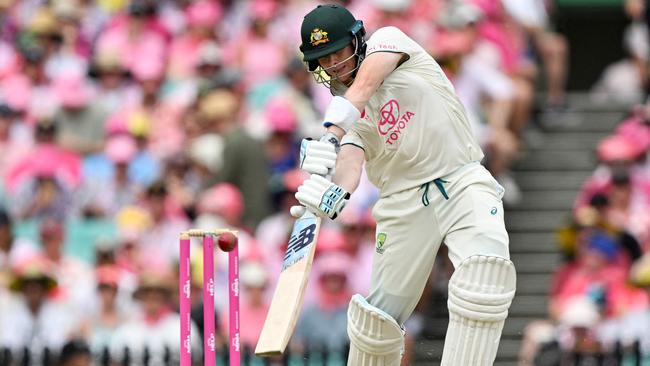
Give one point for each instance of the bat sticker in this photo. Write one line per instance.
(302, 237)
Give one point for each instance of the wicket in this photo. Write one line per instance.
(208, 297)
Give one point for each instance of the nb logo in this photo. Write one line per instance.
(300, 241)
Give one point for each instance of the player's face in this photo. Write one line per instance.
(340, 64)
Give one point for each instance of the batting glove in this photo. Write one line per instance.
(321, 196)
(317, 157)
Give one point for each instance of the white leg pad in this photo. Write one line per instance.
(375, 337)
(480, 292)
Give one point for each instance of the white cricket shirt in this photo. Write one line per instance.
(414, 128)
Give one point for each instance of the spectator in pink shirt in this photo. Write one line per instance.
(617, 154)
(258, 37)
(594, 275)
(135, 36)
(509, 39)
(160, 116)
(41, 183)
(202, 17)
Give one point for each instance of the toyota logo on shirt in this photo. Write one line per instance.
(388, 116)
(391, 123)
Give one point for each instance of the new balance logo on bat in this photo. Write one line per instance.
(301, 237)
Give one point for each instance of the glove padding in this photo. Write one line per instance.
(321, 196)
(317, 157)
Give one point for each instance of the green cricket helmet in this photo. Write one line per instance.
(328, 29)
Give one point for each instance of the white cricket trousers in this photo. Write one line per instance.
(462, 209)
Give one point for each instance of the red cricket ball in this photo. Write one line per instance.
(227, 241)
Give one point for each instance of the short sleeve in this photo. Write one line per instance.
(353, 138)
(390, 39)
(363, 134)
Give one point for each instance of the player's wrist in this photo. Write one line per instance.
(341, 113)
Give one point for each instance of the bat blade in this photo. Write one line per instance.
(290, 290)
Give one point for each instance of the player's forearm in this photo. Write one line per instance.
(348, 167)
(372, 73)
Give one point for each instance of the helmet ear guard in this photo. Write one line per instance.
(358, 29)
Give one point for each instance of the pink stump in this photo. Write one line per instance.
(233, 299)
(208, 301)
(184, 301)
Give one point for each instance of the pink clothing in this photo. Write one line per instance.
(252, 320)
(612, 279)
(449, 43)
(132, 48)
(599, 182)
(11, 152)
(16, 91)
(48, 160)
(9, 60)
(492, 10)
(163, 123)
(204, 13)
(152, 24)
(509, 43)
(223, 199)
(636, 132)
(255, 68)
(184, 56)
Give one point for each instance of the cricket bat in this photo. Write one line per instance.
(290, 291)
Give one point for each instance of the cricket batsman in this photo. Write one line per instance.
(394, 108)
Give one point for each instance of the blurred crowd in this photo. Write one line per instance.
(599, 302)
(599, 299)
(599, 305)
(123, 123)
